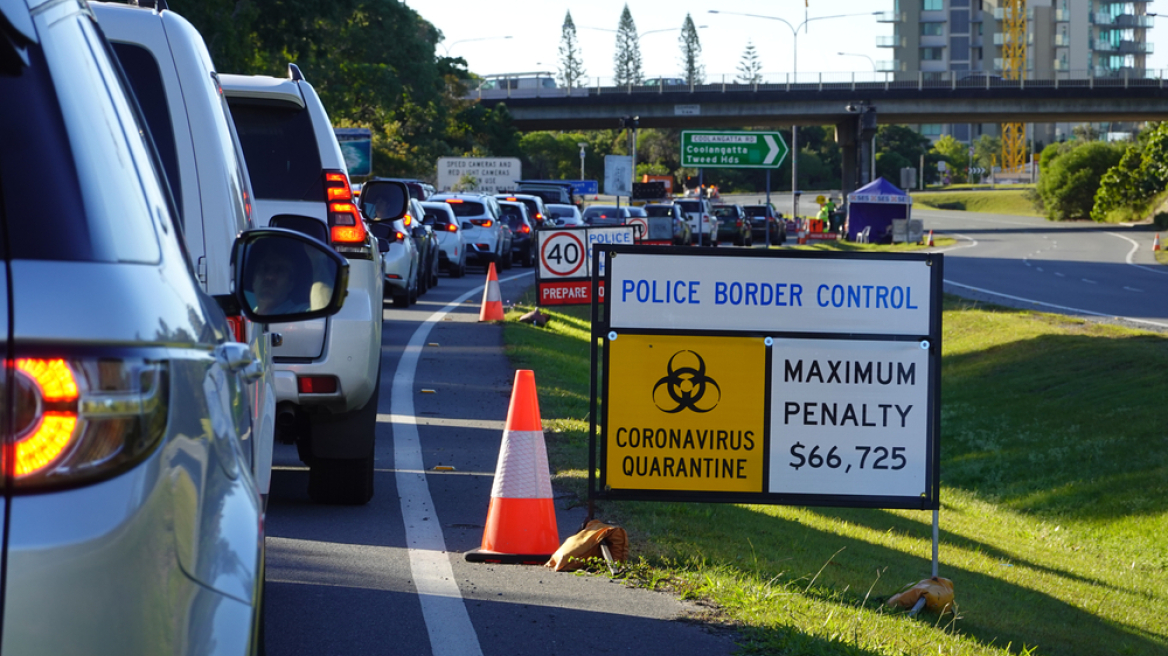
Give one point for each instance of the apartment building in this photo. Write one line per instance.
(940, 39)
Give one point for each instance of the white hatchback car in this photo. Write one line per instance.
(328, 371)
(452, 256)
(482, 231)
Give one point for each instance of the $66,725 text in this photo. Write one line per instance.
(815, 459)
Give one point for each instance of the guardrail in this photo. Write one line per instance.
(920, 80)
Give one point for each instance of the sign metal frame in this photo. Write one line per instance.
(603, 334)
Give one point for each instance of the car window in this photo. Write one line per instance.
(81, 149)
(280, 147)
(146, 78)
(725, 211)
(635, 211)
(658, 210)
(756, 210)
(468, 208)
(689, 205)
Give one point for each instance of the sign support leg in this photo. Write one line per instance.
(701, 214)
(767, 220)
(936, 537)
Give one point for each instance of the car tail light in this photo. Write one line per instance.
(317, 384)
(401, 236)
(238, 327)
(524, 229)
(511, 199)
(450, 227)
(453, 200)
(486, 223)
(336, 186)
(81, 420)
(538, 217)
(407, 220)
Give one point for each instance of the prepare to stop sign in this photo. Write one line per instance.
(563, 254)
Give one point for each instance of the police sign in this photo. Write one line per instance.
(768, 377)
(564, 268)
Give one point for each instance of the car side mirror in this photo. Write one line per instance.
(281, 275)
(382, 245)
(384, 200)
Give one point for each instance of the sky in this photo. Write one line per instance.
(535, 26)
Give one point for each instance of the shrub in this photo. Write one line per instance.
(1069, 182)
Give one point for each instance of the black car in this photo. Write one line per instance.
(733, 226)
(764, 218)
(427, 243)
(522, 232)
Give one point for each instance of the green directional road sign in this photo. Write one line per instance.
(713, 149)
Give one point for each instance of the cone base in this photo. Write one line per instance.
(520, 527)
(484, 556)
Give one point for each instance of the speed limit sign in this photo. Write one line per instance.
(562, 254)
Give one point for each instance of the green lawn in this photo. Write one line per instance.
(1054, 525)
(999, 201)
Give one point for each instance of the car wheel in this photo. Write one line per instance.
(345, 481)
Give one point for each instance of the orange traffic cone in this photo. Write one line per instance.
(1156, 242)
(492, 309)
(521, 520)
(930, 238)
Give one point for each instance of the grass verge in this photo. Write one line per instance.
(1055, 504)
(998, 201)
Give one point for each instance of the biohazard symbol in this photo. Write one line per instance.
(687, 386)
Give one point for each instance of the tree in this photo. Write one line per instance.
(691, 53)
(1068, 184)
(749, 67)
(1128, 188)
(955, 154)
(571, 68)
(627, 61)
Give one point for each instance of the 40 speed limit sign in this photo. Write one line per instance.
(564, 271)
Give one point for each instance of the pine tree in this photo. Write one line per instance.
(627, 62)
(749, 67)
(572, 73)
(691, 53)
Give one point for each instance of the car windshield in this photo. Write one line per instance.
(690, 205)
(725, 211)
(756, 211)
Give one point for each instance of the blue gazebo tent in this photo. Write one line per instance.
(874, 206)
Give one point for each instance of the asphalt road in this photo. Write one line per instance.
(390, 577)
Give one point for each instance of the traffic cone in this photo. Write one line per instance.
(521, 520)
(492, 309)
(1156, 242)
(930, 238)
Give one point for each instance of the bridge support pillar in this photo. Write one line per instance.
(846, 133)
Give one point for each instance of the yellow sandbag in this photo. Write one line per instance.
(938, 594)
(586, 544)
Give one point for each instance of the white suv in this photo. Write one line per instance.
(702, 221)
(328, 371)
(482, 231)
(170, 71)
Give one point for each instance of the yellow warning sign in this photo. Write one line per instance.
(685, 413)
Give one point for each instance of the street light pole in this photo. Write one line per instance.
(484, 38)
(795, 74)
(582, 144)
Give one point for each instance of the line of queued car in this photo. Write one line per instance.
(210, 286)
(698, 221)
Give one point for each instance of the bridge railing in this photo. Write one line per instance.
(920, 80)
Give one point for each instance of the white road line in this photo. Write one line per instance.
(1090, 282)
(1131, 253)
(447, 622)
(1133, 289)
(1057, 274)
(1158, 324)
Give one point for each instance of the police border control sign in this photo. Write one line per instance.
(779, 377)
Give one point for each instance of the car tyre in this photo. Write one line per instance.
(346, 481)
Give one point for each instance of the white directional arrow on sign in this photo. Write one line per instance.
(774, 149)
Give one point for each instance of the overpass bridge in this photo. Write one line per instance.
(852, 106)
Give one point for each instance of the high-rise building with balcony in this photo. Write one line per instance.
(943, 39)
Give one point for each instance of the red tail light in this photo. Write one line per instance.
(81, 420)
(453, 200)
(238, 327)
(401, 236)
(486, 223)
(525, 229)
(346, 226)
(450, 227)
(316, 384)
(407, 220)
(336, 186)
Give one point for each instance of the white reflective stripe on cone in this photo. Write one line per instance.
(522, 471)
(491, 294)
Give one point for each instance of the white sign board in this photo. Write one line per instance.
(486, 175)
(618, 175)
(848, 417)
(815, 295)
(568, 253)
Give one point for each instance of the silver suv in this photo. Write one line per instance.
(328, 372)
(132, 523)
